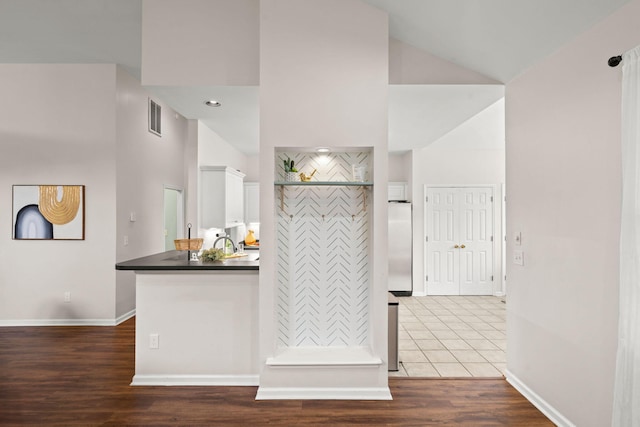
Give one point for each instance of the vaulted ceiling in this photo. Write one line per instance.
(497, 38)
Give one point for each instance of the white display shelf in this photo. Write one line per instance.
(326, 183)
(360, 184)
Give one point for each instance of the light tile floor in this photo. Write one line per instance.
(451, 336)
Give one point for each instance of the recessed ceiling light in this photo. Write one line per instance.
(323, 150)
(212, 103)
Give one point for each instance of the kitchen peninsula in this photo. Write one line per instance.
(196, 322)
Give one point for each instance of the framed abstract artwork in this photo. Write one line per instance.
(48, 212)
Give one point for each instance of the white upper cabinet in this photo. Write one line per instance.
(251, 202)
(221, 197)
(397, 191)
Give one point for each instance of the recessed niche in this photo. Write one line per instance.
(323, 244)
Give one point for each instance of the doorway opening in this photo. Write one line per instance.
(461, 333)
(173, 216)
(457, 326)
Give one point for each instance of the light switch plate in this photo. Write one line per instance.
(518, 238)
(154, 341)
(518, 257)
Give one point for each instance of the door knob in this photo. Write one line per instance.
(456, 247)
(462, 246)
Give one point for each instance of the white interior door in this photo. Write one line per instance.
(443, 272)
(476, 241)
(459, 241)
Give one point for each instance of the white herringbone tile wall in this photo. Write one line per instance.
(323, 244)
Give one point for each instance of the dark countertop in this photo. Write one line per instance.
(177, 260)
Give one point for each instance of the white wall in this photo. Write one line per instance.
(88, 127)
(398, 170)
(215, 151)
(145, 164)
(471, 154)
(563, 194)
(58, 127)
(191, 174)
(200, 42)
(252, 169)
(410, 65)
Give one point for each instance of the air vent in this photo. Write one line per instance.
(155, 118)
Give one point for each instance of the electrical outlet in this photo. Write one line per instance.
(154, 341)
(67, 296)
(518, 257)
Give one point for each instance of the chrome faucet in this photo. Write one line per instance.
(233, 245)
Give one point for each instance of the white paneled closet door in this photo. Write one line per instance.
(459, 241)
(443, 271)
(476, 235)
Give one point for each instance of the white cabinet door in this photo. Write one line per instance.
(251, 202)
(459, 241)
(234, 199)
(397, 191)
(221, 197)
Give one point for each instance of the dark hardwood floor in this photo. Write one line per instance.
(79, 376)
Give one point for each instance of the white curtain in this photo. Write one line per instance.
(626, 399)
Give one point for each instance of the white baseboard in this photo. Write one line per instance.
(59, 322)
(323, 393)
(498, 294)
(195, 380)
(69, 322)
(552, 413)
(125, 316)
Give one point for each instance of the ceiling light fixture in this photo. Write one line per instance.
(212, 103)
(322, 150)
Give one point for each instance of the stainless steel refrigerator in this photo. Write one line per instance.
(400, 249)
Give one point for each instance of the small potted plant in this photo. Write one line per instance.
(290, 172)
(213, 254)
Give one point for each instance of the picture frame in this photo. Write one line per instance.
(48, 212)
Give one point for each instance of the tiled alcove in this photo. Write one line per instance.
(323, 252)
